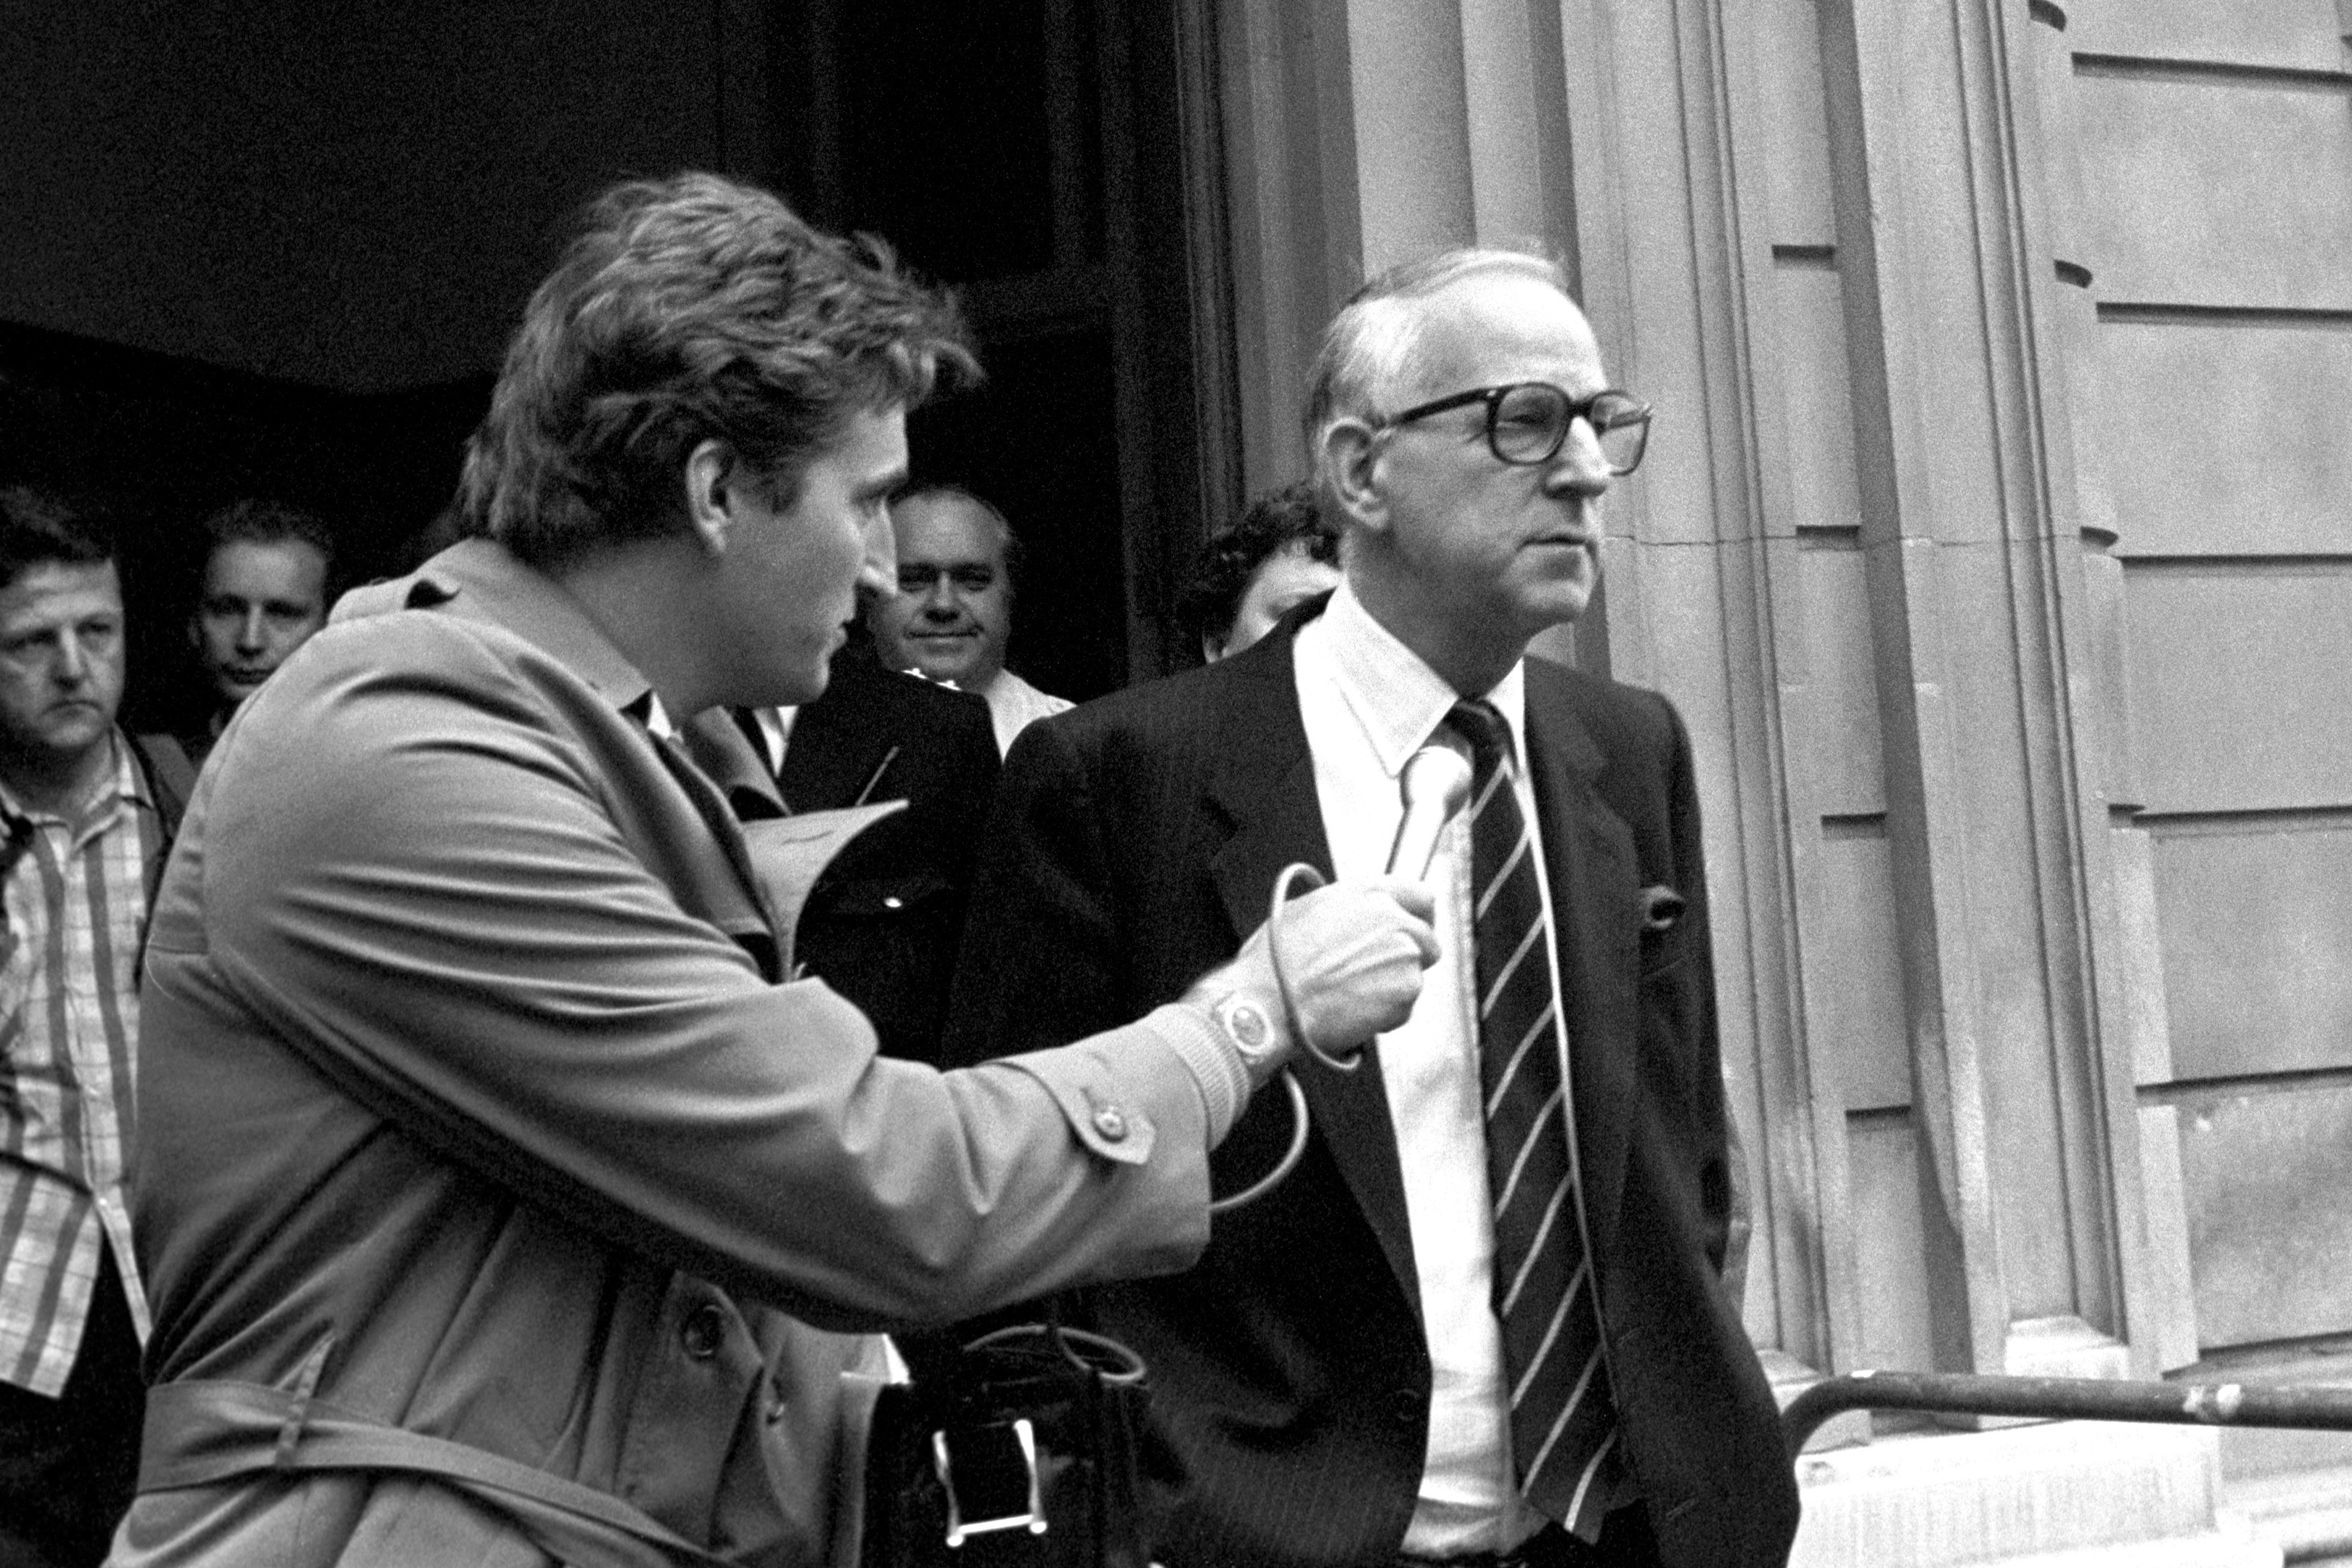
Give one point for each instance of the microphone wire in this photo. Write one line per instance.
(1292, 875)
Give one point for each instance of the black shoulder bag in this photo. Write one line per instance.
(1019, 1452)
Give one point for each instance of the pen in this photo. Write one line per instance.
(879, 769)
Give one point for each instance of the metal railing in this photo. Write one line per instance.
(2067, 1399)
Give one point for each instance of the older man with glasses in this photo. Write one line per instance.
(1483, 1321)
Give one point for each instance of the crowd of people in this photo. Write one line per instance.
(439, 1133)
(91, 812)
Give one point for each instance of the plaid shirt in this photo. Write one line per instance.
(75, 897)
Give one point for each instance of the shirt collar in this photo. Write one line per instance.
(648, 711)
(130, 786)
(1398, 699)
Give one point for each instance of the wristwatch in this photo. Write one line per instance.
(1245, 1024)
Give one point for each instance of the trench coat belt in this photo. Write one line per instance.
(207, 1432)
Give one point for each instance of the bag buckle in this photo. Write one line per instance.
(1023, 1438)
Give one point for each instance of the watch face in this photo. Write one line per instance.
(1247, 1022)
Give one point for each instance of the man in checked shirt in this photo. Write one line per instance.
(82, 833)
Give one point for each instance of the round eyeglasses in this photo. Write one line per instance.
(1528, 421)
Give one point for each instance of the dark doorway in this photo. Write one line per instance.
(156, 442)
(279, 257)
(1057, 161)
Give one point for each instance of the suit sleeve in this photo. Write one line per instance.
(418, 877)
(1041, 956)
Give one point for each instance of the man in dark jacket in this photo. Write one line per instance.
(882, 925)
(1483, 1320)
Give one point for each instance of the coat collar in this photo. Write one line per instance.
(481, 580)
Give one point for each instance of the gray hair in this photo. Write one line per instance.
(1008, 543)
(1372, 346)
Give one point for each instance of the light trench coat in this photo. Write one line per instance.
(497, 1204)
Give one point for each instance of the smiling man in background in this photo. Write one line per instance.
(952, 614)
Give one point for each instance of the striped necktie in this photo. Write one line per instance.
(1563, 1419)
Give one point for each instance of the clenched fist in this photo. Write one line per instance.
(1353, 954)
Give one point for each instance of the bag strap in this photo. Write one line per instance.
(207, 1432)
(1087, 1353)
(171, 775)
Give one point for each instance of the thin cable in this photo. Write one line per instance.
(1291, 874)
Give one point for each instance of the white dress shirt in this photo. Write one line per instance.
(775, 733)
(1368, 703)
(1013, 705)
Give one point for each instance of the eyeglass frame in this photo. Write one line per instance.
(1492, 396)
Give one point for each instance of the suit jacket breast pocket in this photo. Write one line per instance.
(1661, 913)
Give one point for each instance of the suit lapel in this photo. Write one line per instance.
(825, 761)
(1263, 789)
(837, 741)
(1588, 858)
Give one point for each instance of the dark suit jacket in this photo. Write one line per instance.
(1134, 842)
(881, 927)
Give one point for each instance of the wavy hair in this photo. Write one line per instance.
(686, 309)
(1280, 520)
(39, 528)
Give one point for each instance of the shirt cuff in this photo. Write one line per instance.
(1215, 1064)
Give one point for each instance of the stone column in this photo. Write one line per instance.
(1363, 132)
(1972, 540)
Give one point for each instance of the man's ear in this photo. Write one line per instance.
(710, 505)
(1350, 458)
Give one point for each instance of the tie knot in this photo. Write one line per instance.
(1479, 722)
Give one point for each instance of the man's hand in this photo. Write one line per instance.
(1353, 953)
